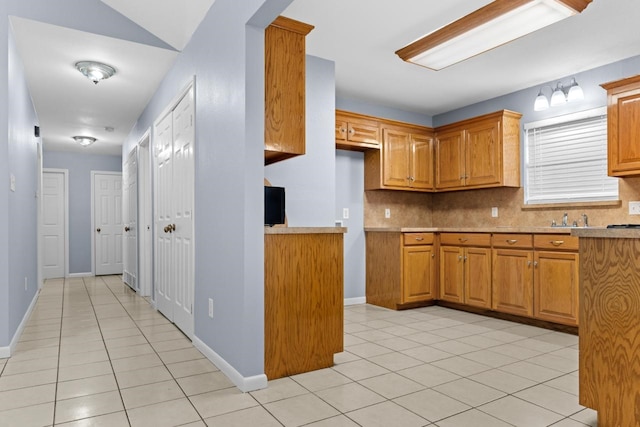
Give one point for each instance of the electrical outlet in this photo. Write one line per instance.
(494, 212)
(387, 213)
(634, 208)
(25, 282)
(211, 308)
(345, 213)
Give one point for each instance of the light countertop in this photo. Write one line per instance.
(509, 229)
(607, 233)
(304, 230)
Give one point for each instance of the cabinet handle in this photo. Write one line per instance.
(463, 239)
(535, 264)
(528, 263)
(557, 242)
(433, 255)
(459, 257)
(465, 258)
(351, 131)
(419, 239)
(342, 130)
(512, 241)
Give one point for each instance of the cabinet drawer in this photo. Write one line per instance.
(556, 241)
(512, 241)
(411, 239)
(465, 239)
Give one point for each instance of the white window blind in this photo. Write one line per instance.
(566, 160)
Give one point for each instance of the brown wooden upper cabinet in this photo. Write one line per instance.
(623, 124)
(481, 152)
(284, 127)
(356, 132)
(404, 162)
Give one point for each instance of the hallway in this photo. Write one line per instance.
(94, 353)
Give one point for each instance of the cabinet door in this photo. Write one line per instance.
(418, 273)
(513, 281)
(452, 274)
(477, 277)
(483, 162)
(449, 163)
(421, 161)
(363, 133)
(556, 287)
(624, 138)
(341, 130)
(395, 152)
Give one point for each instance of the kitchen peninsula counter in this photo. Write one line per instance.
(304, 298)
(610, 324)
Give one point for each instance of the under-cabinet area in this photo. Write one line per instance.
(525, 273)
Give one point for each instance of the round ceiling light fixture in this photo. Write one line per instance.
(95, 71)
(84, 140)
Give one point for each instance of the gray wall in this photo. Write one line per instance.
(309, 180)
(375, 110)
(80, 167)
(226, 57)
(349, 194)
(522, 101)
(21, 231)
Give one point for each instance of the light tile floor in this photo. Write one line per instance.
(96, 354)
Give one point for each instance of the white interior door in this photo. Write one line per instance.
(130, 220)
(183, 188)
(174, 201)
(53, 225)
(163, 145)
(107, 220)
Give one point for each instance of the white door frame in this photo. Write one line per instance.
(65, 174)
(39, 177)
(93, 225)
(145, 217)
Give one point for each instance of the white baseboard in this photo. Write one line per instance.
(355, 301)
(245, 384)
(11, 348)
(80, 274)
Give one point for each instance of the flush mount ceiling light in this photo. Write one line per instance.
(495, 24)
(559, 96)
(95, 71)
(84, 140)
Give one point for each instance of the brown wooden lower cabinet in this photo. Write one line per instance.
(401, 269)
(513, 281)
(303, 301)
(526, 275)
(465, 272)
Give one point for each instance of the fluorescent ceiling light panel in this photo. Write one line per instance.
(495, 24)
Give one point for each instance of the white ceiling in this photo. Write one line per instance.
(67, 103)
(361, 36)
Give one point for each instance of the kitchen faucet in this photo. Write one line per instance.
(565, 219)
(585, 220)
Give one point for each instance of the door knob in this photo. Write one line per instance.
(98, 230)
(173, 227)
(127, 229)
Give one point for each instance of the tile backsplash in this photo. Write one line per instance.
(472, 208)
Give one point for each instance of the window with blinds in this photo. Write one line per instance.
(566, 159)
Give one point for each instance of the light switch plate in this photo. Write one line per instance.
(634, 208)
(494, 212)
(345, 213)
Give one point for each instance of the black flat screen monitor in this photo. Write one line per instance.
(273, 205)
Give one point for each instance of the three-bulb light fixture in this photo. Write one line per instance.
(559, 96)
